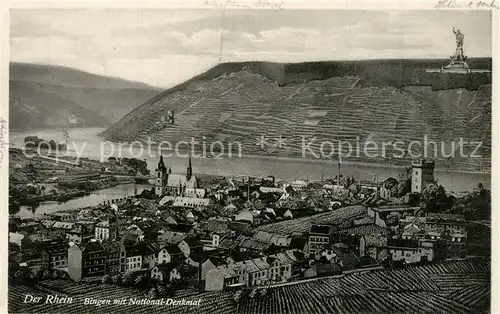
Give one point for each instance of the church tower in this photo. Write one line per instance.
(161, 177)
(189, 171)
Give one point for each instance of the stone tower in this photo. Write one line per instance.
(161, 177)
(422, 174)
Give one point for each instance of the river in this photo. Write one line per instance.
(86, 141)
(96, 197)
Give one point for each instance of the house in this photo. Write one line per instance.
(415, 251)
(345, 257)
(132, 235)
(166, 272)
(33, 239)
(379, 214)
(195, 193)
(265, 189)
(191, 202)
(299, 185)
(168, 253)
(280, 267)
(64, 216)
(440, 223)
(245, 216)
(177, 238)
(257, 270)
(249, 244)
(62, 226)
(319, 236)
(80, 233)
(321, 270)
(106, 230)
(115, 257)
(233, 195)
(277, 240)
(373, 245)
(139, 256)
(211, 263)
(54, 255)
(218, 278)
(412, 231)
(210, 242)
(86, 260)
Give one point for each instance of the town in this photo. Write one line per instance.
(238, 233)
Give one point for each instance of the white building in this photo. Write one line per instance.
(422, 174)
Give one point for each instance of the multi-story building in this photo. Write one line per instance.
(54, 255)
(169, 253)
(422, 174)
(221, 277)
(115, 257)
(319, 236)
(415, 251)
(139, 256)
(80, 233)
(106, 230)
(441, 223)
(86, 260)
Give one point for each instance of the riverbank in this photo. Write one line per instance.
(334, 162)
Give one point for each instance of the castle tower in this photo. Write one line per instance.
(422, 174)
(189, 171)
(161, 177)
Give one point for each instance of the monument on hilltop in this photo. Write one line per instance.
(458, 62)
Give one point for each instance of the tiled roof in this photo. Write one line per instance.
(320, 229)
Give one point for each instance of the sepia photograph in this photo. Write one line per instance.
(249, 159)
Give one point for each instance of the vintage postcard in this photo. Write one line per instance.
(250, 158)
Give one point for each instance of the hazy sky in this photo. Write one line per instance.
(164, 47)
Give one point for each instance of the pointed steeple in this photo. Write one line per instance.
(189, 171)
(161, 164)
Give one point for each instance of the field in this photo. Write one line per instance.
(449, 287)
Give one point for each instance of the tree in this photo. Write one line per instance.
(393, 219)
(404, 187)
(160, 290)
(139, 280)
(116, 279)
(128, 279)
(106, 279)
(152, 293)
(390, 183)
(14, 247)
(435, 198)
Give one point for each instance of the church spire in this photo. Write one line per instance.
(189, 172)
(161, 164)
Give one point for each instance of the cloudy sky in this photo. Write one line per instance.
(164, 47)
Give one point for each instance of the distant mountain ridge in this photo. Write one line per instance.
(377, 99)
(65, 76)
(93, 100)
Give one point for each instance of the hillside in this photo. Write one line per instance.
(347, 102)
(106, 97)
(30, 108)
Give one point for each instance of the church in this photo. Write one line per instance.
(174, 184)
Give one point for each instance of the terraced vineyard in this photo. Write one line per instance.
(449, 287)
(341, 216)
(243, 106)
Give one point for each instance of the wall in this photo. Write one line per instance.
(214, 280)
(75, 263)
